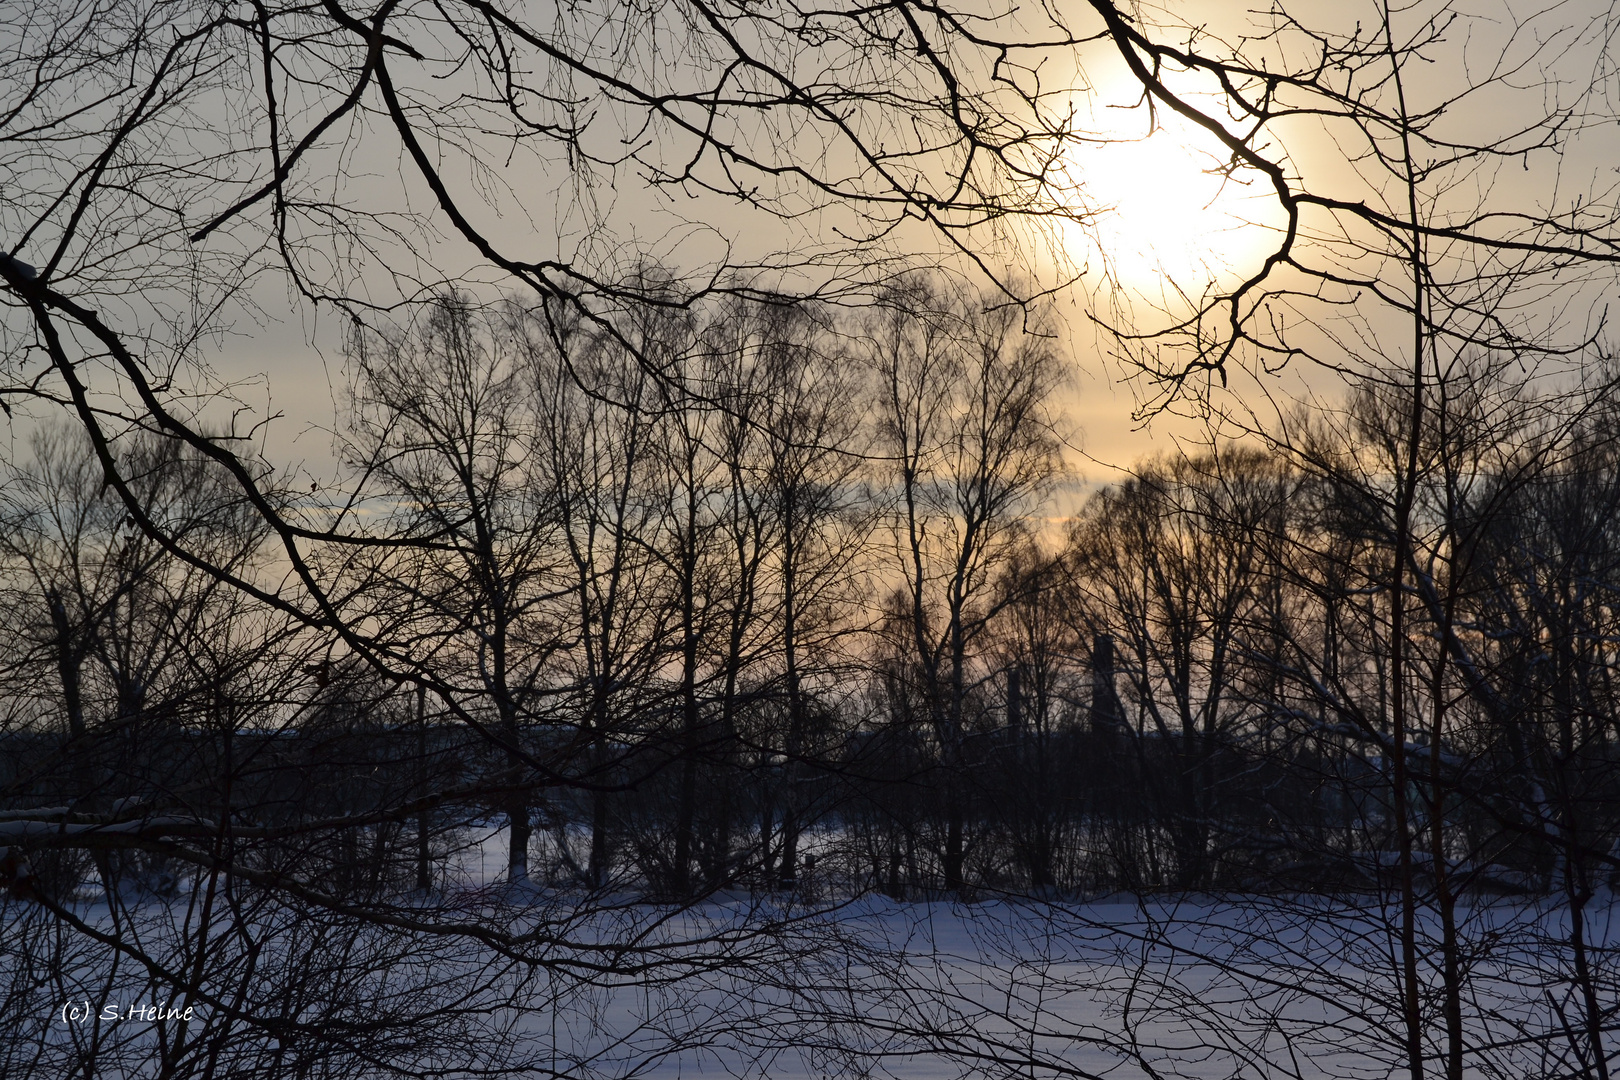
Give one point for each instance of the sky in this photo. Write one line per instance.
(1163, 219)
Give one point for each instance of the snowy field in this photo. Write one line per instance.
(1193, 989)
(743, 986)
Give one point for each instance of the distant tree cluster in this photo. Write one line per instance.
(813, 611)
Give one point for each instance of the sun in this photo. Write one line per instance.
(1161, 218)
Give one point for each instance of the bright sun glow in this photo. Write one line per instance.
(1164, 222)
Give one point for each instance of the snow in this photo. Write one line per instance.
(1237, 988)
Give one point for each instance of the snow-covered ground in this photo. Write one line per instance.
(1218, 988)
(1196, 989)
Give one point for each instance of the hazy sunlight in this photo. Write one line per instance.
(1166, 222)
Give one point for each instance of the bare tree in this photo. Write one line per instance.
(1176, 564)
(596, 430)
(439, 426)
(970, 450)
(811, 468)
(136, 645)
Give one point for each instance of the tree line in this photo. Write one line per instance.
(790, 607)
